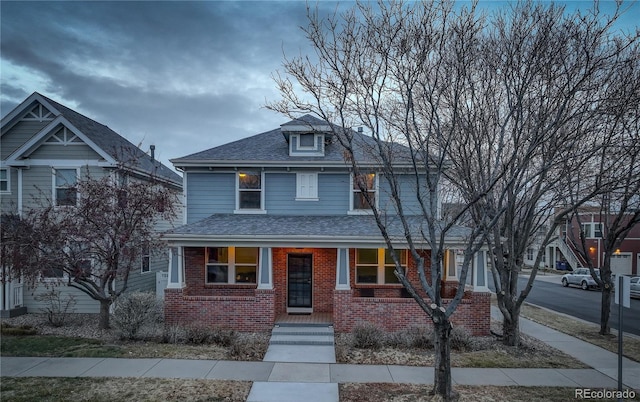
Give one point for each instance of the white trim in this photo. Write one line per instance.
(21, 108)
(65, 162)
(54, 187)
(304, 150)
(20, 196)
(305, 127)
(260, 210)
(376, 190)
(269, 267)
(343, 286)
(7, 171)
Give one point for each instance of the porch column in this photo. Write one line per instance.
(265, 273)
(176, 273)
(480, 272)
(342, 270)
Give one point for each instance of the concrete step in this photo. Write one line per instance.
(301, 340)
(302, 331)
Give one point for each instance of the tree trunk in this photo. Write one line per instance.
(605, 311)
(511, 328)
(104, 314)
(442, 372)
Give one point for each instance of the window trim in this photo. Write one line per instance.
(7, 179)
(381, 266)
(260, 210)
(295, 149)
(313, 195)
(145, 255)
(54, 186)
(375, 190)
(231, 267)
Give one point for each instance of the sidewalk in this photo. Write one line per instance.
(281, 381)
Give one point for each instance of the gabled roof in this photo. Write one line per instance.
(98, 136)
(271, 148)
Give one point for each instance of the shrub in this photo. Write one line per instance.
(461, 339)
(132, 311)
(420, 337)
(367, 336)
(57, 308)
(198, 334)
(174, 334)
(223, 336)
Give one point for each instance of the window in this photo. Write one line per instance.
(529, 253)
(591, 230)
(65, 192)
(307, 186)
(307, 141)
(4, 180)
(231, 264)
(249, 190)
(363, 185)
(376, 266)
(145, 258)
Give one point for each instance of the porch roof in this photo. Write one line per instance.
(286, 230)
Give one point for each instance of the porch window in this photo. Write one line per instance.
(65, 192)
(231, 265)
(363, 185)
(376, 266)
(249, 190)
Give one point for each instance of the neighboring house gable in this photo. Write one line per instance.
(45, 148)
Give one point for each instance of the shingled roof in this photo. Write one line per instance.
(115, 145)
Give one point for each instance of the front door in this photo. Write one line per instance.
(299, 283)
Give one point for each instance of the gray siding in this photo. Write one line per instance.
(333, 194)
(210, 193)
(84, 304)
(76, 152)
(18, 135)
(410, 204)
(9, 200)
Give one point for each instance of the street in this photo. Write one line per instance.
(584, 304)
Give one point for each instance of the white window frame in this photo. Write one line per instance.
(145, 256)
(381, 266)
(310, 192)
(592, 229)
(260, 210)
(231, 267)
(54, 186)
(375, 190)
(305, 150)
(7, 180)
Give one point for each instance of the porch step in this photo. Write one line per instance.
(302, 335)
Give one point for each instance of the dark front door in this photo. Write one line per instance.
(299, 282)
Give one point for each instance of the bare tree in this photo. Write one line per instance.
(615, 209)
(396, 69)
(96, 243)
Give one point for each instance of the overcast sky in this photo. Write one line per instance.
(183, 76)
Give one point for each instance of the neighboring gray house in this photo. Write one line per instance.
(274, 225)
(45, 147)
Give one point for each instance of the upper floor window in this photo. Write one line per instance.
(591, 230)
(306, 144)
(4, 180)
(231, 264)
(307, 141)
(145, 258)
(363, 187)
(64, 190)
(376, 266)
(306, 186)
(250, 194)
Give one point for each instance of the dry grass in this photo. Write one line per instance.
(121, 389)
(414, 393)
(585, 331)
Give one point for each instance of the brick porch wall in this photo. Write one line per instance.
(394, 314)
(242, 313)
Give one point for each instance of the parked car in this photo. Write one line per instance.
(635, 286)
(580, 277)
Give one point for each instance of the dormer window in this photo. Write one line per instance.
(306, 144)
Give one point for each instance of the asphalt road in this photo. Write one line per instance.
(583, 304)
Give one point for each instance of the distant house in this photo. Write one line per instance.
(45, 148)
(274, 225)
(564, 251)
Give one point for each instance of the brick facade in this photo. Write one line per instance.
(246, 308)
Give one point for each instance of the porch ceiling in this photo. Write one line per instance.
(353, 229)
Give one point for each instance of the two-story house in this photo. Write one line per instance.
(45, 149)
(275, 225)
